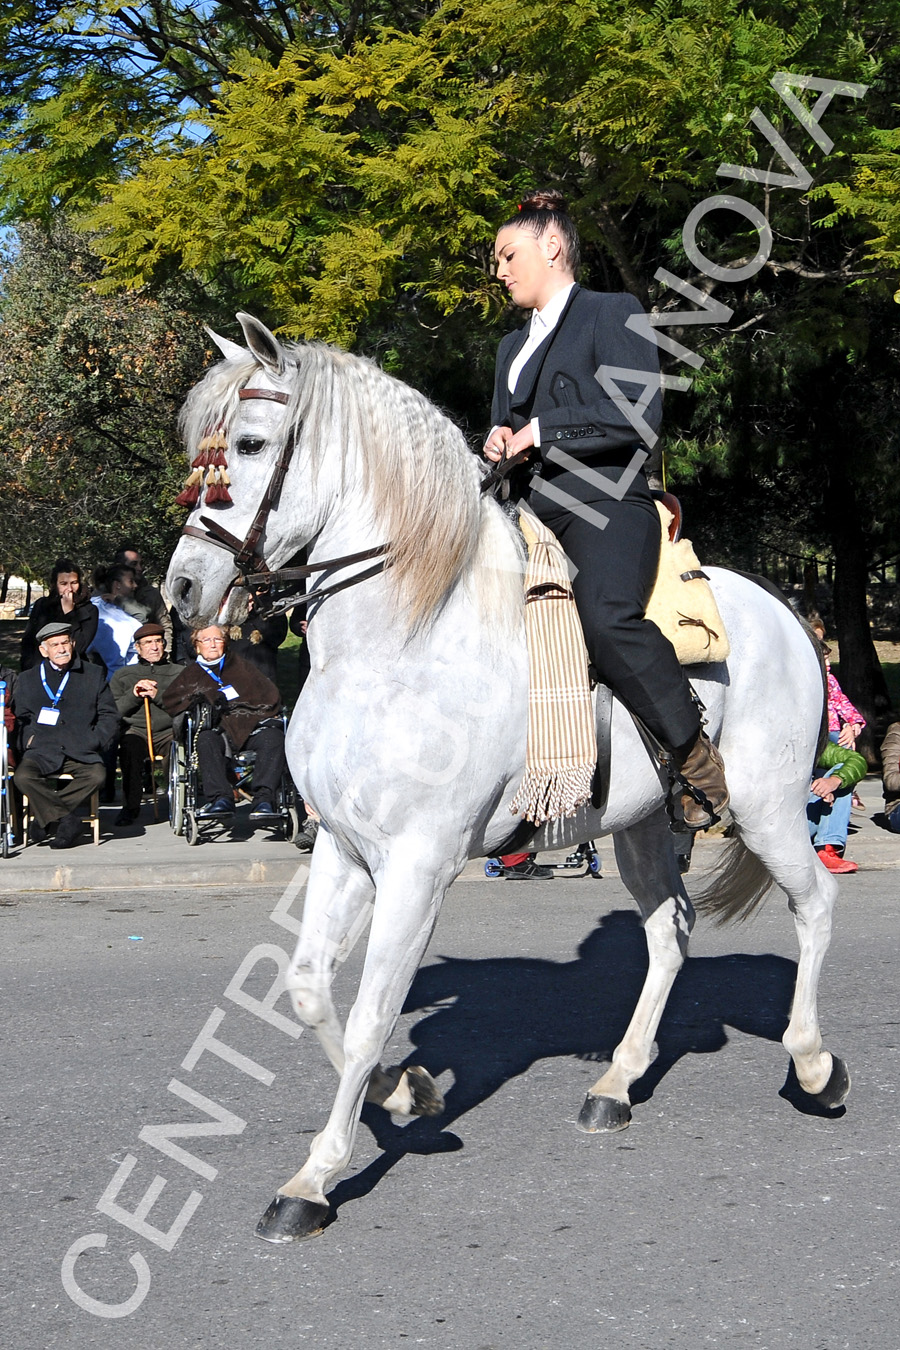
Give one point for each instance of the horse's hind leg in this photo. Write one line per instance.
(405, 912)
(789, 857)
(648, 867)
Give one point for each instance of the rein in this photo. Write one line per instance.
(247, 552)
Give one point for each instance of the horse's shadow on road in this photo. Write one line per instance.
(490, 1020)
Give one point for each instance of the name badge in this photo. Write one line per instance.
(230, 692)
(48, 717)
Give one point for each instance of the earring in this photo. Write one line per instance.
(549, 262)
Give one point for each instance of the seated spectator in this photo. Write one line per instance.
(68, 602)
(119, 616)
(830, 803)
(257, 640)
(149, 597)
(66, 717)
(890, 776)
(246, 710)
(147, 679)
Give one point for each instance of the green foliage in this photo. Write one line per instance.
(90, 388)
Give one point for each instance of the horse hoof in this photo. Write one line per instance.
(603, 1115)
(836, 1089)
(291, 1219)
(428, 1100)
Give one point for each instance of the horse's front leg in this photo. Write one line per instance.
(406, 908)
(648, 868)
(337, 907)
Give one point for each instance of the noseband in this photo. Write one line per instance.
(255, 574)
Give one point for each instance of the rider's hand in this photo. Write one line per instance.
(496, 443)
(502, 442)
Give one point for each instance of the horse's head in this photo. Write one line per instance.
(239, 425)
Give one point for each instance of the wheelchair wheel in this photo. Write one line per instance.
(493, 868)
(593, 863)
(191, 828)
(291, 824)
(176, 788)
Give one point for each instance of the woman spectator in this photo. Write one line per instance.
(119, 616)
(68, 602)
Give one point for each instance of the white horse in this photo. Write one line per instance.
(409, 737)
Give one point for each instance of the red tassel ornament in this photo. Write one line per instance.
(208, 471)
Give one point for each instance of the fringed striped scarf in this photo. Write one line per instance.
(561, 752)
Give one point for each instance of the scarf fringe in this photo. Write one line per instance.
(542, 797)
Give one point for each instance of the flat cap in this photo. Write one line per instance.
(50, 630)
(149, 630)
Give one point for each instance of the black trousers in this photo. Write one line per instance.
(616, 571)
(50, 800)
(268, 770)
(133, 755)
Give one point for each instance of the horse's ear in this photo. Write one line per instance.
(263, 344)
(230, 350)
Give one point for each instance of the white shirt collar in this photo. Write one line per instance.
(545, 320)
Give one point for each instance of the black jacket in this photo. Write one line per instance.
(88, 719)
(257, 641)
(558, 386)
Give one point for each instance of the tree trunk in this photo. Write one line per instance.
(861, 676)
(4, 588)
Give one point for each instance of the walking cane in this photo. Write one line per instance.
(150, 748)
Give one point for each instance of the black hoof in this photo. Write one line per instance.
(290, 1219)
(836, 1089)
(603, 1114)
(428, 1100)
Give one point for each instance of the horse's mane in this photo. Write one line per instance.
(422, 480)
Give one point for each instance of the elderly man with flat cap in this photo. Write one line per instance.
(66, 717)
(137, 689)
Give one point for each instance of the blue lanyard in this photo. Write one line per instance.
(54, 698)
(216, 675)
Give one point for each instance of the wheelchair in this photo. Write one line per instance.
(184, 785)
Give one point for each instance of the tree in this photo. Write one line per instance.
(343, 171)
(91, 388)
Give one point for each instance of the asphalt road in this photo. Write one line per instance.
(725, 1216)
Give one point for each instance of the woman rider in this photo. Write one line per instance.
(547, 400)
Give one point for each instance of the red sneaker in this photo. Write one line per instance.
(833, 860)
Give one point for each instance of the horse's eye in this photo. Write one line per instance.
(250, 445)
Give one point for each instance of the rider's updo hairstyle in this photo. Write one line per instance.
(546, 210)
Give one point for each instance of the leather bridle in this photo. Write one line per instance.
(255, 573)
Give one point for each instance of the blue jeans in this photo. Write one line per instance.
(893, 819)
(829, 822)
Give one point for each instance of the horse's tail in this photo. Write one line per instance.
(735, 886)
